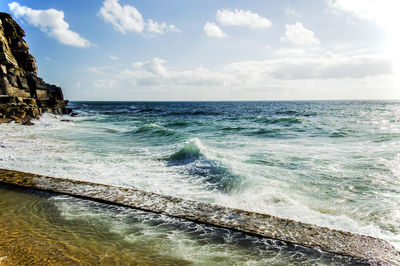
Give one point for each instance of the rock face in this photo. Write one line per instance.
(23, 95)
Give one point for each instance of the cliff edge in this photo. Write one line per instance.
(23, 95)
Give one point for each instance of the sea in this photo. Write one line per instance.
(329, 163)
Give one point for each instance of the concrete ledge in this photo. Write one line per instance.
(365, 248)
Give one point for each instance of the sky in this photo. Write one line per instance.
(186, 50)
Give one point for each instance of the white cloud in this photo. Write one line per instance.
(252, 74)
(240, 17)
(153, 72)
(160, 28)
(290, 12)
(154, 66)
(331, 66)
(50, 21)
(297, 34)
(212, 30)
(296, 52)
(113, 57)
(99, 70)
(124, 18)
(380, 11)
(127, 18)
(104, 83)
(330, 76)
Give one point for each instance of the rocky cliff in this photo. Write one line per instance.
(23, 95)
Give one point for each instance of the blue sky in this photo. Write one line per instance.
(214, 50)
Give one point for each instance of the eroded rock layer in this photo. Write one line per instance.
(23, 95)
(365, 248)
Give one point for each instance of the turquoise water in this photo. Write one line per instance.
(330, 163)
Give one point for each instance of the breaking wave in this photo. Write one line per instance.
(194, 163)
(188, 154)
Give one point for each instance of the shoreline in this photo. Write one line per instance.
(365, 248)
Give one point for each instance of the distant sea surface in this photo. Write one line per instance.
(330, 163)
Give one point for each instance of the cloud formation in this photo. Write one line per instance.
(160, 28)
(113, 57)
(124, 18)
(213, 30)
(298, 35)
(50, 21)
(127, 18)
(104, 83)
(290, 12)
(253, 74)
(154, 73)
(288, 77)
(331, 66)
(379, 11)
(240, 17)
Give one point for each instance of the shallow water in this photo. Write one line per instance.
(334, 163)
(35, 230)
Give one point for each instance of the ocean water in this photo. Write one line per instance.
(330, 163)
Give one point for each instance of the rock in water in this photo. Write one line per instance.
(22, 93)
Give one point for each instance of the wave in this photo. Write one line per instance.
(341, 133)
(107, 110)
(269, 133)
(285, 121)
(287, 112)
(234, 129)
(179, 123)
(385, 137)
(111, 130)
(296, 113)
(193, 162)
(215, 174)
(189, 153)
(153, 129)
(192, 113)
(122, 111)
(272, 162)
